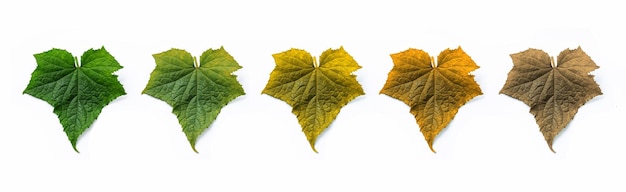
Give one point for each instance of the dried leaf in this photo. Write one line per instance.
(434, 92)
(553, 91)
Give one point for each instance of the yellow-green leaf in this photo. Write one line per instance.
(196, 91)
(553, 91)
(316, 92)
(434, 92)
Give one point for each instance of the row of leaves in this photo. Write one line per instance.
(197, 91)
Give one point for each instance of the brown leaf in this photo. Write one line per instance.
(434, 92)
(553, 91)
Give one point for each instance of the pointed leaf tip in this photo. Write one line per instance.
(194, 148)
(192, 141)
(74, 146)
(430, 142)
(551, 149)
(312, 143)
(550, 141)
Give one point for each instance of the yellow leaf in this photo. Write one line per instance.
(316, 92)
(434, 92)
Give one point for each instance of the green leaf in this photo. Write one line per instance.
(197, 92)
(77, 91)
(316, 92)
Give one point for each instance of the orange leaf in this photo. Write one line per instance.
(434, 92)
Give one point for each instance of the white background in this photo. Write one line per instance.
(493, 144)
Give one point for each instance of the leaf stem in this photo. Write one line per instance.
(552, 63)
(315, 62)
(195, 62)
(76, 64)
(433, 63)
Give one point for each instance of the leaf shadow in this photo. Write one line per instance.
(206, 132)
(89, 129)
(565, 129)
(321, 137)
(451, 124)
